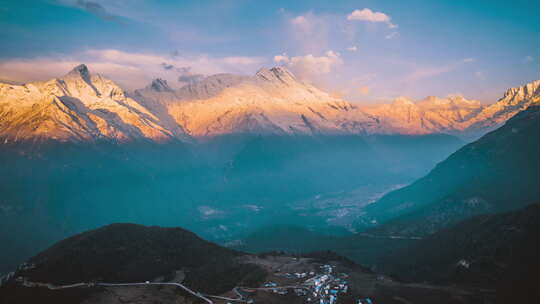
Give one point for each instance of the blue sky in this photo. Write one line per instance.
(365, 51)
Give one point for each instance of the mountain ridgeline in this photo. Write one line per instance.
(82, 106)
(146, 260)
(78, 152)
(132, 253)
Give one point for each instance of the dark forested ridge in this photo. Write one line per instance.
(136, 253)
(498, 251)
(497, 173)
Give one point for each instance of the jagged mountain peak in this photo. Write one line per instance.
(403, 101)
(226, 103)
(526, 91)
(160, 85)
(80, 70)
(276, 75)
(210, 86)
(514, 101)
(448, 101)
(79, 81)
(457, 98)
(80, 106)
(272, 101)
(434, 101)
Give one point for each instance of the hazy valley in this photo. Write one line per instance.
(80, 145)
(285, 193)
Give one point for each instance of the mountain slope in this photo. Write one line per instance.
(491, 251)
(430, 115)
(85, 107)
(498, 172)
(454, 114)
(271, 102)
(135, 253)
(514, 101)
(77, 107)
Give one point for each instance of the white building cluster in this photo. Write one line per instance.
(326, 287)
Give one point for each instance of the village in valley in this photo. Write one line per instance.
(301, 281)
(287, 279)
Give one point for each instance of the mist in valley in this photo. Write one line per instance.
(224, 188)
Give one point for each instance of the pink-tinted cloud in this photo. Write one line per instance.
(310, 66)
(370, 16)
(129, 69)
(363, 90)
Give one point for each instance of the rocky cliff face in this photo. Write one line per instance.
(514, 101)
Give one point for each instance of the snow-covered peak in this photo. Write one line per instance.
(403, 101)
(460, 100)
(529, 90)
(210, 86)
(277, 75)
(84, 105)
(78, 106)
(455, 101)
(514, 101)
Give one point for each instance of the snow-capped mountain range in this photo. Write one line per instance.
(270, 102)
(82, 106)
(79, 106)
(430, 115)
(454, 114)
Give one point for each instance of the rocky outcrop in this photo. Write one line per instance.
(514, 101)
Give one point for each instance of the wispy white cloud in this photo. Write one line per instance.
(301, 21)
(479, 75)
(433, 71)
(131, 70)
(528, 58)
(426, 72)
(352, 48)
(310, 33)
(392, 35)
(309, 66)
(370, 16)
(96, 9)
(106, 9)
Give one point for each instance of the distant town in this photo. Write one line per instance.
(323, 287)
